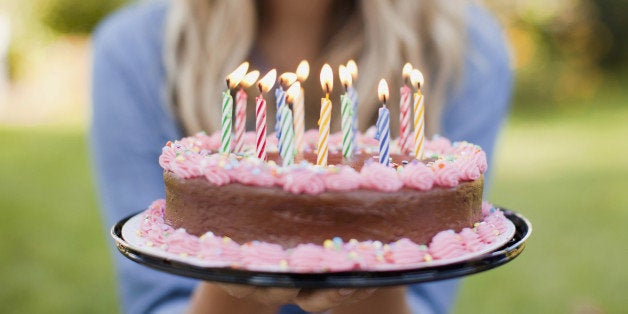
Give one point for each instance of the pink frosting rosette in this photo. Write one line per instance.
(168, 154)
(438, 144)
(468, 168)
(417, 175)
(262, 254)
(471, 240)
(446, 244)
(366, 254)
(257, 175)
(487, 232)
(216, 175)
(187, 165)
(404, 252)
(300, 181)
(335, 260)
(343, 178)
(498, 220)
(306, 257)
(446, 173)
(181, 243)
(376, 176)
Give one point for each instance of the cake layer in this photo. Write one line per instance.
(255, 213)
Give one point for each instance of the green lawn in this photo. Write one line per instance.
(565, 171)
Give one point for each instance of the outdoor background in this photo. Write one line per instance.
(561, 161)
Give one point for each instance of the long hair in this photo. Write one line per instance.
(202, 46)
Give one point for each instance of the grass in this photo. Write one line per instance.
(54, 249)
(566, 171)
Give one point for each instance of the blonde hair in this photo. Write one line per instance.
(202, 47)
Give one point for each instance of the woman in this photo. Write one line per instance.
(158, 71)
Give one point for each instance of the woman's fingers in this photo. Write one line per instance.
(274, 296)
(238, 291)
(322, 300)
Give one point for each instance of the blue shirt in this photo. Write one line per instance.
(131, 123)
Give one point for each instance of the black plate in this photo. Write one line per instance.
(349, 279)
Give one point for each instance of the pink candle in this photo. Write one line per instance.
(264, 85)
(404, 110)
(240, 110)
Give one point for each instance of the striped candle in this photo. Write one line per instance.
(240, 120)
(260, 127)
(280, 97)
(323, 132)
(287, 151)
(419, 125)
(299, 120)
(327, 83)
(346, 114)
(383, 135)
(383, 124)
(419, 113)
(264, 85)
(227, 115)
(404, 118)
(352, 67)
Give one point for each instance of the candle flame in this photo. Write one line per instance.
(249, 79)
(416, 77)
(303, 70)
(405, 72)
(382, 91)
(353, 69)
(293, 92)
(236, 76)
(287, 79)
(267, 82)
(327, 78)
(345, 76)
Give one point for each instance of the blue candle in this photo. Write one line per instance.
(383, 125)
(280, 96)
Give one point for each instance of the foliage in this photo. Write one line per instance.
(76, 17)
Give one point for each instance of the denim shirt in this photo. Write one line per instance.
(131, 123)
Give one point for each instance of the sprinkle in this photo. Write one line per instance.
(283, 264)
(328, 244)
(256, 171)
(226, 239)
(428, 258)
(179, 158)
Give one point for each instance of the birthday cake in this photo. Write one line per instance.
(354, 215)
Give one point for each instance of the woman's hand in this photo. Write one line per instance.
(231, 298)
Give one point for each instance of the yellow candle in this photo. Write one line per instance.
(419, 114)
(327, 82)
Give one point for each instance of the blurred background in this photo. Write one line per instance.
(560, 161)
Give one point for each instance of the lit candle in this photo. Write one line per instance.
(241, 99)
(346, 113)
(419, 112)
(287, 125)
(233, 80)
(404, 110)
(285, 80)
(353, 95)
(264, 85)
(303, 71)
(327, 82)
(383, 124)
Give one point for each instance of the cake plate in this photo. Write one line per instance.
(347, 279)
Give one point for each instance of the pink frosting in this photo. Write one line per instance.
(335, 255)
(262, 253)
(302, 181)
(418, 176)
(216, 175)
(344, 178)
(253, 175)
(182, 243)
(376, 176)
(439, 145)
(486, 208)
(334, 260)
(446, 173)
(405, 251)
(487, 232)
(471, 240)
(306, 257)
(446, 244)
(187, 165)
(468, 167)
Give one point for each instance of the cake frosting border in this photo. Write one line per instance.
(148, 233)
